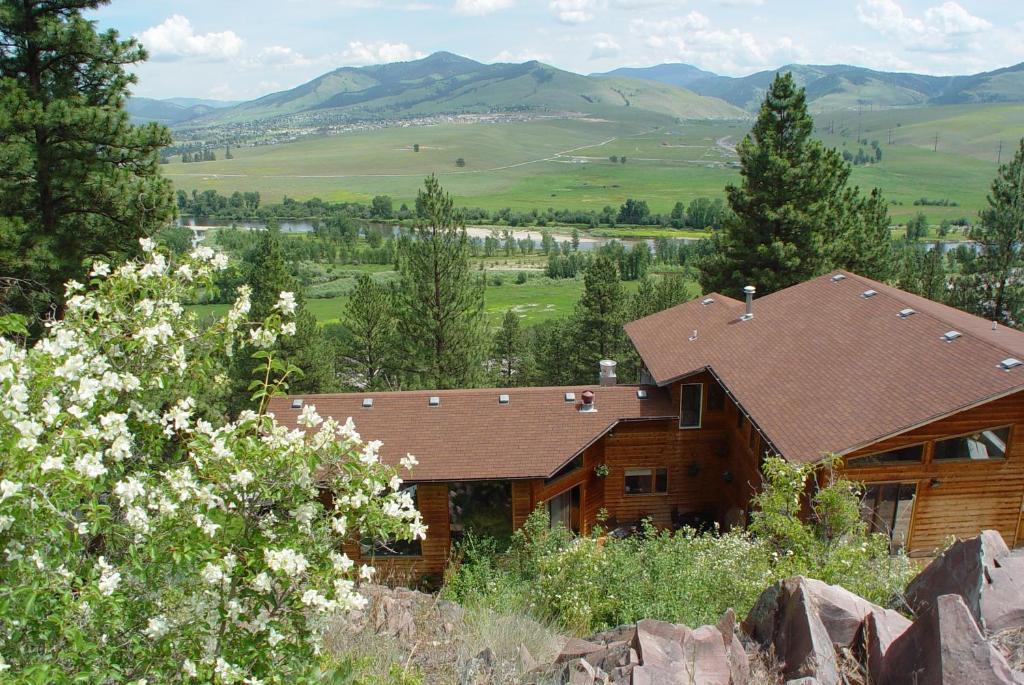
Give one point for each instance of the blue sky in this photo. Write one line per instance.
(238, 50)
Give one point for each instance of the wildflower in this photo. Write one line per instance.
(408, 461)
(156, 628)
(5, 522)
(287, 561)
(109, 578)
(100, 269)
(366, 572)
(341, 562)
(8, 489)
(309, 418)
(147, 244)
(213, 574)
(262, 582)
(243, 478)
(189, 669)
(90, 465)
(286, 303)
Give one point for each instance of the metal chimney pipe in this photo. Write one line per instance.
(607, 374)
(749, 290)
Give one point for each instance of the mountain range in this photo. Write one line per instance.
(445, 83)
(841, 86)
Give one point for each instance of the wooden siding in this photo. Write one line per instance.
(432, 501)
(958, 498)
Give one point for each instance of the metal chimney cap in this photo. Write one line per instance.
(749, 289)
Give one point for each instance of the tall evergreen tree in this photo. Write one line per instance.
(510, 352)
(440, 309)
(791, 195)
(266, 273)
(76, 178)
(991, 284)
(370, 320)
(861, 239)
(600, 313)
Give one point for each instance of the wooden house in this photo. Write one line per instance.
(923, 402)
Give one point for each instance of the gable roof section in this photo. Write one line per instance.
(822, 369)
(471, 436)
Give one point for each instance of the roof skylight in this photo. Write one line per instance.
(367, 402)
(904, 313)
(1010, 363)
(838, 277)
(950, 336)
(707, 300)
(570, 397)
(297, 403)
(434, 401)
(641, 394)
(502, 399)
(869, 293)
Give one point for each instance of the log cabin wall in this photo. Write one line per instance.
(960, 497)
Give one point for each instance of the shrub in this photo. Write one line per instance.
(521, 278)
(146, 541)
(589, 584)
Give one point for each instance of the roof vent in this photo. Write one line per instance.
(641, 394)
(749, 290)
(838, 277)
(707, 300)
(904, 313)
(434, 401)
(297, 404)
(502, 399)
(367, 402)
(1010, 363)
(588, 401)
(570, 397)
(950, 336)
(868, 293)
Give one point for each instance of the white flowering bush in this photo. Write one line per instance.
(143, 543)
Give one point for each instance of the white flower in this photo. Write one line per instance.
(366, 572)
(243, 478)
(408, 461)
(339, 524)
(8, 489)
(418, 530)
(128, 490)
(189, 669)
(156, 628)
(287, 561)
(3, 664)
(5, 522)
(100, 269)
(262, 337)
(147, 244)
(341, 562)
(90, 465)
(109, 578)
(288, 328)
(213, 574)
(274, 637)
(286, 303)
(262, 582)
(309, 418)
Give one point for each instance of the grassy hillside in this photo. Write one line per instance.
(565, 162)
(444, 83)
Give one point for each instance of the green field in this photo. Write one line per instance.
(537, 300)
(565, 162)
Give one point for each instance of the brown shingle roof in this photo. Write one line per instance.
(820, 368)
(471, 436)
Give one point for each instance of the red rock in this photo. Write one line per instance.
(880, 630)
(802, 642)
(944, 647)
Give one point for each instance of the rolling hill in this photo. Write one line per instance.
(445, 83)
(171, 111)
(840, 86)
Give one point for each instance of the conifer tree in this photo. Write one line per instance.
(600, 313)
(76, 178)
(791, 193)
(370, 320)
(510, 351)
(440, 309)
(991, 285)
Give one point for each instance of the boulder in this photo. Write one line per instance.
(739, 665)
(576, 648)
(880, 630)
(579, 672)
(944, 646)
(839, 610)
(675, 655)
(802, 642)
(982, 571)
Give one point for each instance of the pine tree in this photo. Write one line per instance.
(76, 178)
(862, 241)
(789, 193)
(510, 353)
(992, 286)
(440, 309)
(600, 313)
(266, 273)
(370, 320)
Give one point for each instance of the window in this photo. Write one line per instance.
(482, 508)
(984, 445)
(646, 481)
(887, 508)
(690, 404)
(902, 455)
(564, 509)
(393, 548)
(716, 397)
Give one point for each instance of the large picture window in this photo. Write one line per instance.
(986, 445)
(393, 548)
(691, 397)
(564, 509)
(646, 481)
(887, 508)
(903, 455)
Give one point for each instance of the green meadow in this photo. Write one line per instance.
(565, 162)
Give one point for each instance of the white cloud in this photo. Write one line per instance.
(521, 56)
(739, 3)
(604, 46)
(573, 11)
(943, 28)
(280, 56)
(380, 52)
(175, 39)
(478, 8)
(693, 39)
